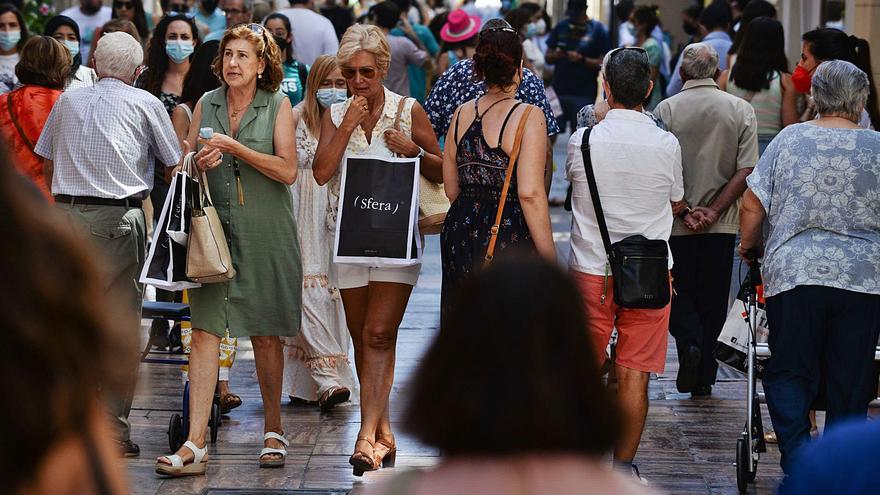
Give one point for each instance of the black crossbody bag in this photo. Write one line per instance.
(639, 266)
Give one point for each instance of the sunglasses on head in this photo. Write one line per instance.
(123, 5)
(366, 72)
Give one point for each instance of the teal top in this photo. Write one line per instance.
(294, 83)
(265, 297)
(655, 57)
(418, 77)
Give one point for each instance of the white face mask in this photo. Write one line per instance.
(329, 96)
(540, 27)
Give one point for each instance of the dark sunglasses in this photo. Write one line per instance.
(178, 7)
(366, 72)
(185, 15)
(123, 5)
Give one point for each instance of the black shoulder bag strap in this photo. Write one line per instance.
(594, 191)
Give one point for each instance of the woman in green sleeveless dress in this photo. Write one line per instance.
(250, 162)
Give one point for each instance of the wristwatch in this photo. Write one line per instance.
(421, 153)
(685, 212)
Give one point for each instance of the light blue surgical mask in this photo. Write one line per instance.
(531, 30)
(179, 50)
(72, 47)
(329, 96)
(8, 39)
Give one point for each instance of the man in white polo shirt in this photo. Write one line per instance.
(313, 34)
(638, 176)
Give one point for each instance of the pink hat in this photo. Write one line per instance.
(459, 27)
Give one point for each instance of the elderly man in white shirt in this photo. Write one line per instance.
(637, 167)
(313, 34)
(99, 145)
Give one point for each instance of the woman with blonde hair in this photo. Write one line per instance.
(316, 365)
(250, 160)
(374, 298)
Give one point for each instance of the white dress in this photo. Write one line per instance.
(317, 358)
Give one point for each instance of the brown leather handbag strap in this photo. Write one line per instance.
(514, 155)
(400, 106)
(21, 133)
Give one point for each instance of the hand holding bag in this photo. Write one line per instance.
(639, 266)
(433, 203)
(207, 254)
(514, 156)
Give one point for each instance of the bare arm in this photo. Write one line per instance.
(751, 216)
(723, 78)
(789, 102)
(331, 146)
(548, 168)
(48, 171)
(450, 170)
(732, 190)
(530, 184)
(422, 137)
(180, 121)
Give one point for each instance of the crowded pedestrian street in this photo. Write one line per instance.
(440, 247)
(688, 446)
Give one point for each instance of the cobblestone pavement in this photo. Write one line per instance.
(688, 446)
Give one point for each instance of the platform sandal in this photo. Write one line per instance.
(272, 462)
(360, 461)
(177, 468)
(387, 459)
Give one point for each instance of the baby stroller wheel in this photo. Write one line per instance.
(214, 422)
(175, 432)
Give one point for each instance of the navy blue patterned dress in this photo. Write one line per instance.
(465, 235)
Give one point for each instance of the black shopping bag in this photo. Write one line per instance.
(165, 266)
(377, 221)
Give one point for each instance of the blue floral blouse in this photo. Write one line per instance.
(457, 86)
(820, 188)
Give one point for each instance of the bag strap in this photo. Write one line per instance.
(514, 155)
(594, 191)
(199, 198)
(400, 106)
(18, 126)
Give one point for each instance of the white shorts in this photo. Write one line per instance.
(353, 276)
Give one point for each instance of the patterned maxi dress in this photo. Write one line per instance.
(465, 235)
(317, 358)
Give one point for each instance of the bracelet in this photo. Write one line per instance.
(685, 212)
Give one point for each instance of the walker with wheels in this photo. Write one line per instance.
(751, 445)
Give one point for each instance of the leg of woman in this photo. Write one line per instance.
(354, 302)
(385, 308)
(269, 361)
(202, 381)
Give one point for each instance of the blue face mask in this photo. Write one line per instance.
(8, 39)
(179, 50)
(72, 47)
(531, 30)
(329, 96)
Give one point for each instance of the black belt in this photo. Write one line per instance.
(88, 200)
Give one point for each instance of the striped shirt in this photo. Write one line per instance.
(103, 141)
(767, 104)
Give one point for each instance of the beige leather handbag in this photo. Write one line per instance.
(433, 203)
(207, 254)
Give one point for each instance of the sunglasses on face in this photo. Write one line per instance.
(178, 7)
(123, 5)
(366, 72)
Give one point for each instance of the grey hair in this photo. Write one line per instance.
(840, 88)
(699, 61)
(628, 74)
(118, 55)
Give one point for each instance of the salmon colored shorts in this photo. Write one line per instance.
(641, 333)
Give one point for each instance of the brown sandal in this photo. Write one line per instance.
(388, 457)
(360, 461)
(333, 396)
(229, 402)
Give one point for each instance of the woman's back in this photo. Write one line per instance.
(30, 107)
(767, 104)
(485, 135)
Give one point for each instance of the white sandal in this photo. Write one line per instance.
(197, 467)
(272, 463)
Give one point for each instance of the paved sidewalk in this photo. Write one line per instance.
(688, 446)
